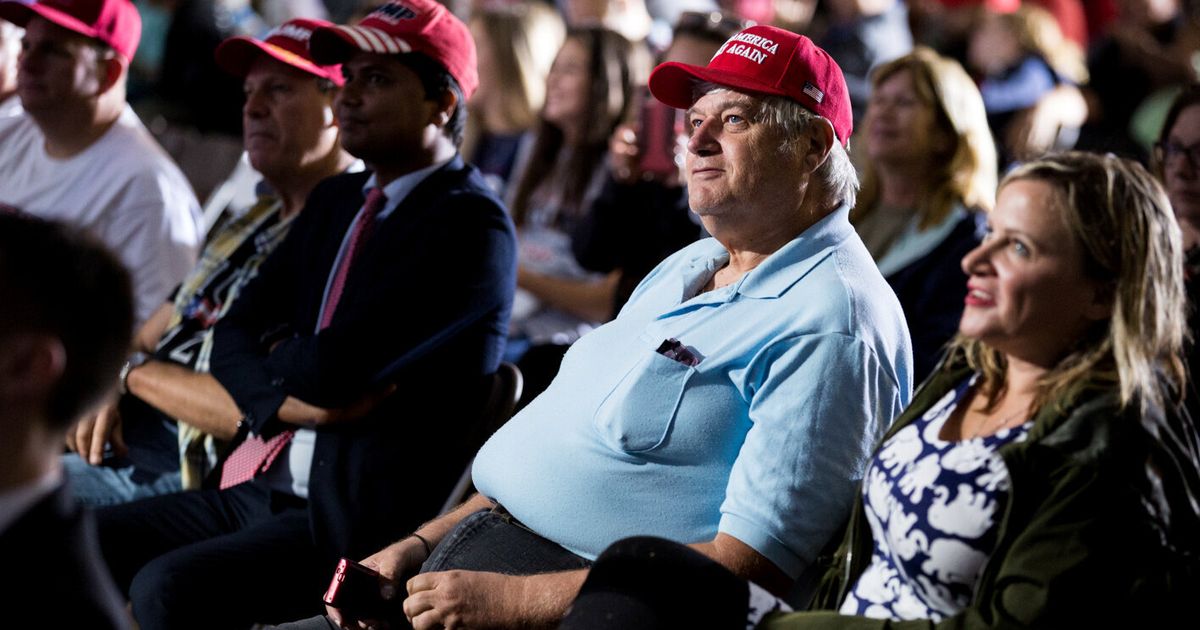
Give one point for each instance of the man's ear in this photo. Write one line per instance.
(819, 138)
(31, 366)
(445, 108)
(111, 67)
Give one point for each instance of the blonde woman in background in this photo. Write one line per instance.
(928, 174)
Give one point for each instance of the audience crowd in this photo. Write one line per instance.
(846, 314)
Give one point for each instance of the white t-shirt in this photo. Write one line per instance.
(123, 189)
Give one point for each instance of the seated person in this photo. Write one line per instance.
(54, 365)
(704, 411)
(80, 154)
(1043, 477)
(399, 279)
(1177, 161)
(929, 174)
(291, 137)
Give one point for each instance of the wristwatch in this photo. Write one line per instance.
(136, 359)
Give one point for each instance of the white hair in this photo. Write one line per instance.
(836, 173)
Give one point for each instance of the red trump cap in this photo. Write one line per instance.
(765, 60)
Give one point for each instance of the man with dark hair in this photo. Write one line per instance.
(173, 416)
(399, 280)
(64, 326)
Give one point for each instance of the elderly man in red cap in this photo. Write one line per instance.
(399, 278)
(744, 382)
(163, 435)
(82, 156)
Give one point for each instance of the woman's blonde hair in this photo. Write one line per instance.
(521, 41)
(966, 172)
(1121, 216)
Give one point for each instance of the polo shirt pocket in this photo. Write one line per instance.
(637, 414)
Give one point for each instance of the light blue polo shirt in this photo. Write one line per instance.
(804, 361)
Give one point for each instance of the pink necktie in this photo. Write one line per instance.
(255, 455)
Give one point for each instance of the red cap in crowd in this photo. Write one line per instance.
(113, 22)
(286, 43)
(996, 6)
(765, 60)
(403, 26)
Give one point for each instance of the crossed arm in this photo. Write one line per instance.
(193, 397)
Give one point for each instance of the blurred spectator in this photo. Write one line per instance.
(81, 155)
(10, 50)
(946, 25)
(588, 92)
(64, 327)
(1152, 46)
(929, 174)
(627, 17)
(1022, 60)
(861, 35)
(1177, 159)
(199, 106)
(517, 43)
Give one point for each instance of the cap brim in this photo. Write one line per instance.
(673, 83)
(19, 13)
(336, 44)
(236, 54)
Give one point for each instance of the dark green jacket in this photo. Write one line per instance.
(1102, 524)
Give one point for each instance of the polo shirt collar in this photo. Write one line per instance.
(779, 271)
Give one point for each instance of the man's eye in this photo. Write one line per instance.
(734, 119)
(1020, 249)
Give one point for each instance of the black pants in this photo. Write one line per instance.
(655, 584)
(214, 558)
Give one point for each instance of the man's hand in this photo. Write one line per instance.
(296, 411)
(466, 599)
(93, 432)
(475, 599)
(395, 563)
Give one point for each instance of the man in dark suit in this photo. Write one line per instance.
(390, 296)
(65, 323)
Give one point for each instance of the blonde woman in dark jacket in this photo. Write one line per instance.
(1043, 477)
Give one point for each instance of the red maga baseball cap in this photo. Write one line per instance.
(286, 43)
(114, 22)
(765, 60)
(403, 26)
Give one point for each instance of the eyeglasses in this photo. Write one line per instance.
(1167, 151)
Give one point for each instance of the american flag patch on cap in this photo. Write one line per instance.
(813, 91)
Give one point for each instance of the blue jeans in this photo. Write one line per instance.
(107, 484)
(494, 541)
